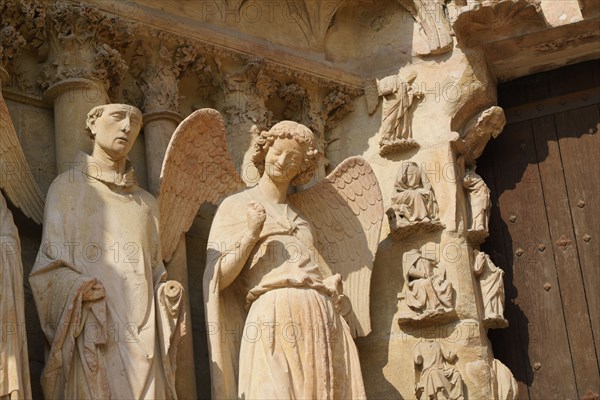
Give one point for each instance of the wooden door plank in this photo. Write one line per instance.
(564, 249)
(520, 198)
(507, 346)
(579, 142)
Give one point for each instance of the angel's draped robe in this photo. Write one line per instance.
(99, 228)
(294, 343)
(14, 363)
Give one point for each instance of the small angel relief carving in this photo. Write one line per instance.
(492, 290)
(414, 208)
(427, 294)
(436, 378)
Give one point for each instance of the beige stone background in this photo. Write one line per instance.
(259, 62)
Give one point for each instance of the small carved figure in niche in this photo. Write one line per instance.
(479, 204)
(492, 290)
(396, 117)
(427, 294)
(414, 208)
(435, 378)
(100, 279)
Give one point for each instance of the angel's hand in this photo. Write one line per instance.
(256, 217)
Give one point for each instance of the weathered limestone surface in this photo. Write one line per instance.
(316, 63)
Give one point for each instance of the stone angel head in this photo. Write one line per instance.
(276, 142)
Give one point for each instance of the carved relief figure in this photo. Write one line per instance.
(479, 201)
(505, 384)
(413, 203)
(396, 123)
(492, 290)
(99, 283)
(427, 293)
(281, 270)
(436, 378)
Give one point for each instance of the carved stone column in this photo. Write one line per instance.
(158, 129)
(159, 63)
(73, 98)
(82, 64)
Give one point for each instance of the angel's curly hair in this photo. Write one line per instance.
(302, 135)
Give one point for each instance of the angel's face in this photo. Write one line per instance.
(284, 159)
(116, 129)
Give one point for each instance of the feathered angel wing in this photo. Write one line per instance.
(371, 95)
(15, 179)
(346, 208)
(197, 168)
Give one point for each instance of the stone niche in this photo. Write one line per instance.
(320, 63)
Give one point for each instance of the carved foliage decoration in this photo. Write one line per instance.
(245, 90)
(314, 17)
(11, 42)
(84, 43)
(158, 63)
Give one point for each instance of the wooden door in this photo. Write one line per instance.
(544, 176)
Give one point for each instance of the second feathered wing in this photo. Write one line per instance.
(346, 209)
(197, 168)
(16, 179)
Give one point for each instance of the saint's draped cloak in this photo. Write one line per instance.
(274, 332)
(14, 362)
(492, 285)
(396, 101)
(100, 229)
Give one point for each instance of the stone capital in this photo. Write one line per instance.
(84, 43)
(67, 84)
(158, 64)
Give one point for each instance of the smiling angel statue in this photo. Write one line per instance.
(287, 278)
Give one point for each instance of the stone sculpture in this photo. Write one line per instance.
(479, 204)
(426, 294)
(436, 379)
(492, 290)
(20, 187)
(111, 318)
(290, 270)
(414, 208)
(505, 384)
(14, 374)
(399, 97)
